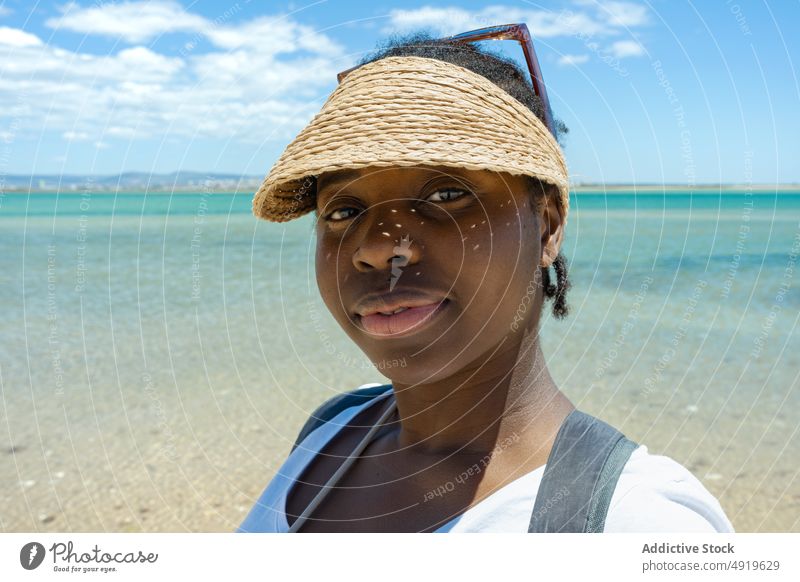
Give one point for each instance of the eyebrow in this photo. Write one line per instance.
(340, 177)
(347, 176)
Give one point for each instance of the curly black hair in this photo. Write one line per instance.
(507, 75)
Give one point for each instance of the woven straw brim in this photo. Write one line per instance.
(411, 111)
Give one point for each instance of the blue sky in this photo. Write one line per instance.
(652, 91)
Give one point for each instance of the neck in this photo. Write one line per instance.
(508, 394)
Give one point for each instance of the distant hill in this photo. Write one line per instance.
(140, 181)
(186, 181)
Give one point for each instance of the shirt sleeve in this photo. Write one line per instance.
(657, 494)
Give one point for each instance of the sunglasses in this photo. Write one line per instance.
(521, 34)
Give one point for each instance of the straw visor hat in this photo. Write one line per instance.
(411, 111)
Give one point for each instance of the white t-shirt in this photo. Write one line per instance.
(654, 494)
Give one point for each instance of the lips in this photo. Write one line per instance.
(398, 313)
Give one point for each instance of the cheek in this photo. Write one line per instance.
(502, 246)
(325, 265)
(334, 275)
(500, 266)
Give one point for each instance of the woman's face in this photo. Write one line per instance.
(458, 249)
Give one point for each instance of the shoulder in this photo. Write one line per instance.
(361, 396)
(333, 407)
(657, 494)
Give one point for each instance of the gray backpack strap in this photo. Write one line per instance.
(330, 408)
(580, 476)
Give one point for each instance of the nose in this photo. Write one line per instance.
(386, 243)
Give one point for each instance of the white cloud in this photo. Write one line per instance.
(140, 21)
(132, 21)
(626, 48)
(271, 35)
(264, 84)
(587, 17)
(44, 64)
(121, 132)
(143, 59)
(17, 38)
(623, 14)
(75, 136)
(582, 21)
(571, 60)
(452, 20)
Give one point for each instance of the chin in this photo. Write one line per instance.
(403, 369)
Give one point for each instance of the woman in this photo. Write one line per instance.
(441, 201)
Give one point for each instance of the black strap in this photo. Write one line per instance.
(330, 408)
(581, 474)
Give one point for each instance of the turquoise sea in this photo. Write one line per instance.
(158, 353)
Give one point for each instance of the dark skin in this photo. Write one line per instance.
(474, 376)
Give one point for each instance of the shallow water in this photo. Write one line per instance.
(159, 353)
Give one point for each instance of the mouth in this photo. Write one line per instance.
(401, 320)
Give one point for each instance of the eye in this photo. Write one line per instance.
(340, 214)
(446, 194)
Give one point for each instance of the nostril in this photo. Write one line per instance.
(400, 260)
(381, 252)
(362, 265)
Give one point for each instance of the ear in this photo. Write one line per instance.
(551, 224)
